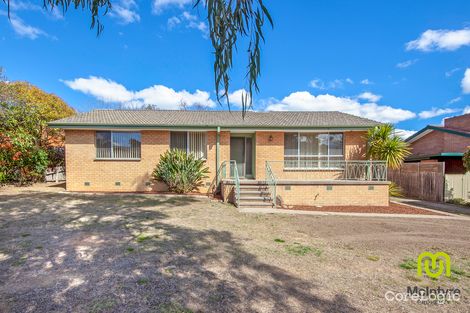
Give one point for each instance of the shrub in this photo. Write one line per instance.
(394, 190)
(181, 172)
(466, 160)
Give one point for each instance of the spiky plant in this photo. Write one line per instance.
(182, 172)
(394, 190)
(384, 144)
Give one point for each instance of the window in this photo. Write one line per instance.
(117, 145)
(312, 150)
(191, 142)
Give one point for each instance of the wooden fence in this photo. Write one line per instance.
(424, 181)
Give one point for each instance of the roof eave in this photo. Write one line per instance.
(150, 127)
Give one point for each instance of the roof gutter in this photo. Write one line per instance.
(202, 127)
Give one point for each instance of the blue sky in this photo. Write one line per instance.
(397, 61)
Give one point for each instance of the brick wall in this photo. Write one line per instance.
(432, 143)
(133, 175)
(437, 142)
(82, 167)
(136, 175)
(339, 195)
(461, 122)
(266, 150)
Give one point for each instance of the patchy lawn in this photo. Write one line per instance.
(70, 252)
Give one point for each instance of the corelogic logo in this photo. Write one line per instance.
(434, 264)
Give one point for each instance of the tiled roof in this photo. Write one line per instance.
(224, 119)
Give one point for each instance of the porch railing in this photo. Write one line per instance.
(359, 170)
(229, 169)
(271, 182)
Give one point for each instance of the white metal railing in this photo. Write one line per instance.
(351, 169)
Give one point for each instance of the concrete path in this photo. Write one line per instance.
(438, 206)
(321, 213)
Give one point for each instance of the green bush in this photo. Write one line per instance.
(394, 190)
(466, 160)
(458, 201)
(182, 172)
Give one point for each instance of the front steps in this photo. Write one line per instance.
(254, 194)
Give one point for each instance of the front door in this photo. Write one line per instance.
(241, 150)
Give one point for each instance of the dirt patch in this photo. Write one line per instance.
(393, 208)
(68, 252)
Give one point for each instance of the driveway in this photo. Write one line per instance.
(67, 252)
(439, 206)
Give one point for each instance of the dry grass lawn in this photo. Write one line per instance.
(66, 252)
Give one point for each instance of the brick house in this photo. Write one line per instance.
(442, 144)
(270, 158)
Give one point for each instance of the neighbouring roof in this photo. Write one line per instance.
(212, 119)
(433, 156)
(428, 129)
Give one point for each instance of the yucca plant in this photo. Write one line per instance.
(182, 172)
(384, 144)
(394, 190)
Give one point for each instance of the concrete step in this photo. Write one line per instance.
(255, 204)
(254, 198)
(253, 187)
(254, 192)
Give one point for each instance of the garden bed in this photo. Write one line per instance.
(393, 208)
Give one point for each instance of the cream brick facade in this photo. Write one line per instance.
(86, 173)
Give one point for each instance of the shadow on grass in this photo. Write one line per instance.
(91, 259)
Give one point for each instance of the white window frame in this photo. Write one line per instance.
(318, 156)
(112, 150)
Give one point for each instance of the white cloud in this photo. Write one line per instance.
(161, 96)
(25, 30)
(452, 71)
(455, 100)
(334, 84)
(190, 21)
(466, 110)
(159, 5)
(236, 97)
(369, 96)
(403, 133)
(305, 101)
(54, 13)
(435, 112)
(366, 82)
(465, 84)
(125, 11)
(440, 39)
(407, 63)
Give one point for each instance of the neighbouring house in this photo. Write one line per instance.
(434, 171)
(442, 144)
(263, 159)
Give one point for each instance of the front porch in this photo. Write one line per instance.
(359, 183)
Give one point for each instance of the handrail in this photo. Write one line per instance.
(234, 175)
(271, 181)
(356, 170)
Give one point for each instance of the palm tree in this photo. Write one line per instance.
(384, 144)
